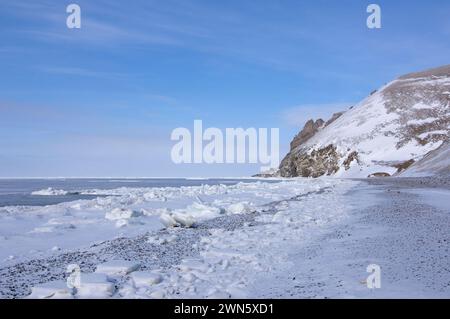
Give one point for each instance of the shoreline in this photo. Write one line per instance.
(389, 221)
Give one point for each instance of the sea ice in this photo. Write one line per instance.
(145, 278)
(51, 290)
(121, 213)
(167, 220)
(117, 267)
(239, 208)
(121, 223)
(184, 220)
(203, 210)
(49, 192)
(95, 285)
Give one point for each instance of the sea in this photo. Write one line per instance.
(18, 192)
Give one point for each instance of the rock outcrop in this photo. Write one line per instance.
(308, 131)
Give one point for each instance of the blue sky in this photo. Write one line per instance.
(103, 100)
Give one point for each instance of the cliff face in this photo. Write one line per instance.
(383, 135)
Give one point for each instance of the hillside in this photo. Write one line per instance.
(436, 162)
(383, 135)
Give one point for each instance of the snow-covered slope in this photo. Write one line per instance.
(384, 134)
(436, 162)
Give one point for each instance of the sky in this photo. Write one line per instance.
(103, 100)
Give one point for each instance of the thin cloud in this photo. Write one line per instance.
(74, 71)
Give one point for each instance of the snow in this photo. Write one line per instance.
(436, 162)
(422, 121)
(437, 132)
(359, 130)
(423, 106)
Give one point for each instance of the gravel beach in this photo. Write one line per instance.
(405, 232)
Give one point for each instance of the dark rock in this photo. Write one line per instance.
(334, 118)
(353, 156)
(318, 163)
(403, 166)
(381, 174)
(308, 131)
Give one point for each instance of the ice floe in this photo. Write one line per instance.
(145, 278)
(95, 285)
(50, 192)
(121, 213)
(239, 208)
(51, 290)
(228, 259)
(117, 267)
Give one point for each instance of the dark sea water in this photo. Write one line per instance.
(17, 192)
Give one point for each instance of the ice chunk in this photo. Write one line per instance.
(184, 219)
(121, 223)
(239, 208)
(50, 192)
(51, 290)
(117, 267)
(145, 278)
(167, 220)
(203, 210)
(121, 213)
(95, 285)
(187, 217)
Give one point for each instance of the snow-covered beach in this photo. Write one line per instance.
(299, 238)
